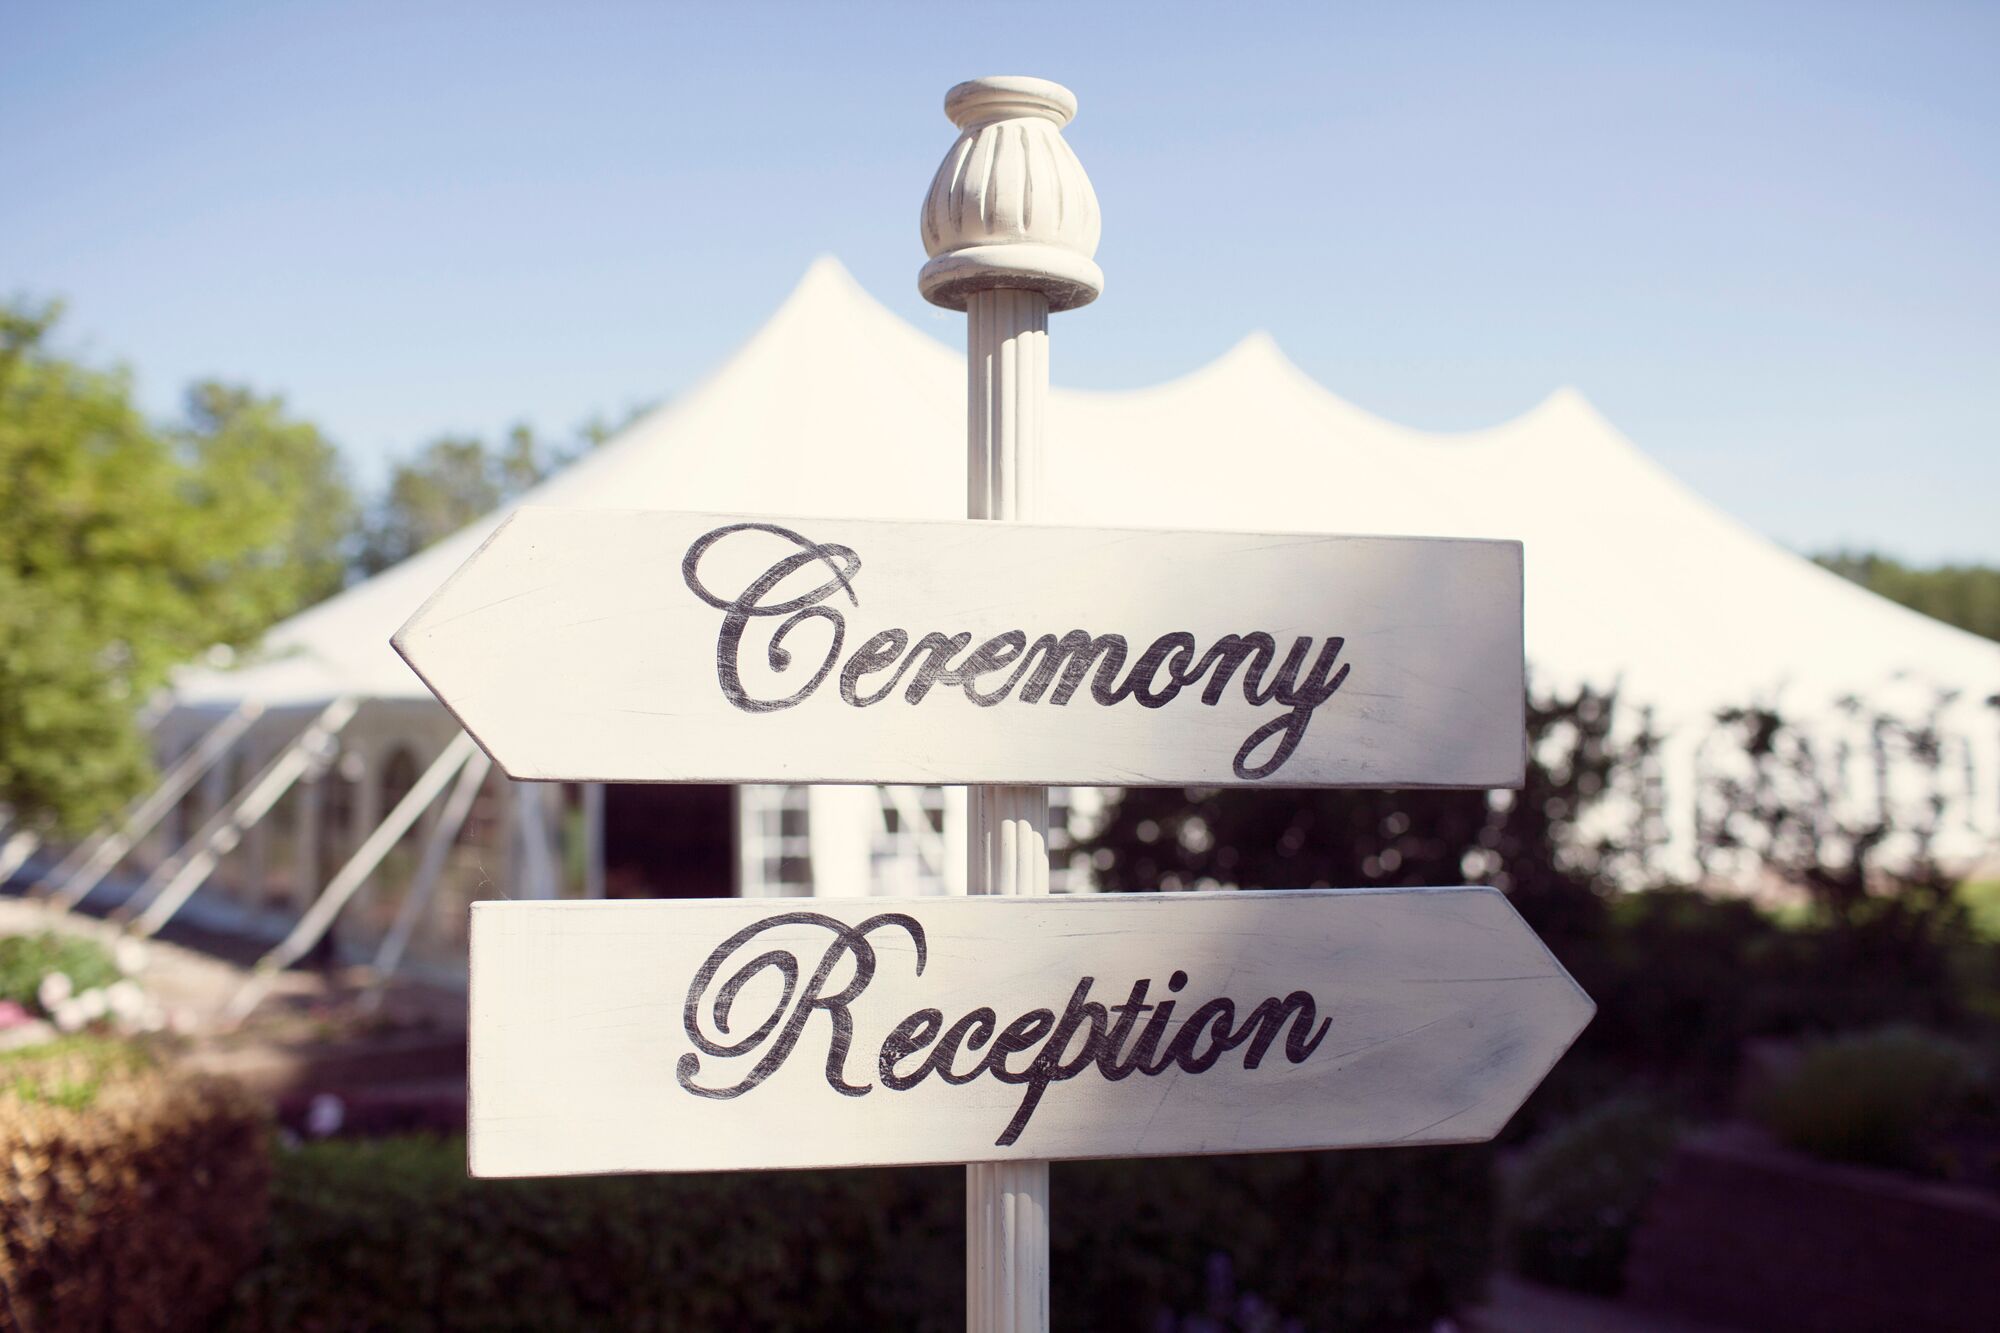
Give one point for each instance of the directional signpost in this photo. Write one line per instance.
(737, 1034)
(1006, 1029)
(660, 647)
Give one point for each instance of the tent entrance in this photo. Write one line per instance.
(669, 841)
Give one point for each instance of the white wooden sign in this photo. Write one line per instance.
(664, 647)
(731, 1034)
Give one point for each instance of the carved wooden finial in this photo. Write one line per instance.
(1011, 206)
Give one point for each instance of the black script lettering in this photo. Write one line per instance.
(911, 1035)
(748, 605)
(940, 647)
(848, 941)
(1270, 1015)
(973, 1032)
(1049, 668)
(1225, 655)
(1217, 1013)
(999, 651)
(1022, 1033)
(1148, 1044)
(1301, 699)
(1140, 682)
(1073, 656)
(1050, 1066)
(1086, 1035)
(879, 651)
(1129, 1013)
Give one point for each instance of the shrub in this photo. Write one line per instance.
(130, 1198)
(1381, 1239)
(1868, 1098)
(390, 1234)
(1579, 1193)
(26, 959)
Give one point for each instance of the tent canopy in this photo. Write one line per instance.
(837, 407)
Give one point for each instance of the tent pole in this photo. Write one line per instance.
(180, 875)
(538, 873)
(85, 868)
(430, 868)
(319, 918)
(14, 853)
(929, 842)
(593, 840)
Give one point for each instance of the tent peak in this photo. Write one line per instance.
(828, 308)
(1566, 400)
(827, 285)
(1256, 358)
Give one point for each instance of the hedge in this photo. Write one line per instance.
(1578, 1194)
(130, 1198)
(390, 1234)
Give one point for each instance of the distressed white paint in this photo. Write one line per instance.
(1443, 1012)
(574, 648)
(1010, 206)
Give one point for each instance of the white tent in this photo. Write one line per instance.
(837, 407)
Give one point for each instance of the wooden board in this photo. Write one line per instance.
(595, 645)
(729, 1034)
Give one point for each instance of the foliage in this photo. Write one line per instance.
(1226, 1309)
(26, 959)
(1578, 1195)
(130, 1198)
(260, 472)
(390, 1234)
(127, 549)
(69, 1071)
(1528, 843)
(1981, 900)
(1684, 981)
(456, 480)
(1783, 798)
(1967, 596)
(1386, 1239)
(1869, 1097)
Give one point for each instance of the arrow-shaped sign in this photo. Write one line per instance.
(663, 647)
(731, 1034)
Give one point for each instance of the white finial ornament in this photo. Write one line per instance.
(1011, 206)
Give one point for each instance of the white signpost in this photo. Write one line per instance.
(726, 648)
(738, 1034)
(1008, 1028)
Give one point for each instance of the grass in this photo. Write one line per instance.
(26, 959)
(67, 1072)
(1982, 904)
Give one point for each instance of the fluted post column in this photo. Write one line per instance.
(1011, 225)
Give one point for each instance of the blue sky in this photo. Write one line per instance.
(1760, 237)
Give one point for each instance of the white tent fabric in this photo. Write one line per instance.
(837, 407)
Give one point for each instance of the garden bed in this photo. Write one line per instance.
(1745, 1233)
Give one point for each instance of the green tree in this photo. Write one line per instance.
(451, 482)
(128, 548)
(1967, 596)
(456, 480)
(280, 485)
